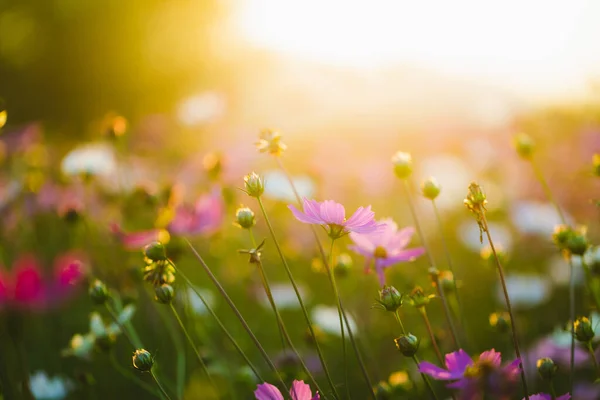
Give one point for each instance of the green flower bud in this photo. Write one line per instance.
(418, 298)
(500, 321)
(524, 145)
(254, 185)
(343, 265)
(98, 292)
(546, 368)
(383, 391)
(244, 218)
(390, 298)
(583, 330)
(577, 243)
(164, 293)
(155, 251)
(402, 164)
(561, 235)
(431, 188)
(407, 344)
(142, 360)
(446, 280)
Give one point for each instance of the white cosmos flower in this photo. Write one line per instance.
(532, 217)
(278, 187)
(196, 304)
(284, 296)
(525, 291)
(96, 159)
(327, 318)
(46, 388)
(468, 232)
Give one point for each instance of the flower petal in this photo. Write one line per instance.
(266, 391)
(405, 255)
(457, 362)
(491, 356)
(362, 242)
(332, 212)
(302, 217)
(434, 371)
(300, 391)
(360, 217)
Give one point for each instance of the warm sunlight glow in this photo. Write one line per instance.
(534, 47)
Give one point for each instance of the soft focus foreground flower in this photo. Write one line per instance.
(298, 391)
(92, 159)
(327, 318)
(544, 396)
(270, 142)
(46, 388)
(332, 215)
(205, 217)
(473, 378)
(385, 247)
(525, 290)
(138, 240)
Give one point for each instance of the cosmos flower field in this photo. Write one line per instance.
(239, 280)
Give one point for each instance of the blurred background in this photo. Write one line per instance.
(148, 96)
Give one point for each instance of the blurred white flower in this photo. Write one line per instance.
(559, 270)
(278, 187)
(468, 232)
(195, 302)
(45, 388)
(532, 217)
(284, 296)
(96, 159)
(452, 174)
(327, 318)
(201, 108)
(525, 291)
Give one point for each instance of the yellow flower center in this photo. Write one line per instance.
(380, 252)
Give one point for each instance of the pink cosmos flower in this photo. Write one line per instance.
(332, 216)
(473, 377)
(205, 217)
(544, 396)
(299, 391)
(26, 287)
(385, 247)
(136, 240)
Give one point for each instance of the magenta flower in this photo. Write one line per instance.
(137, 240)
(472, 379)
(544, 396)
(299, 391)
(205, 217)
(385, 247)
(332, 216)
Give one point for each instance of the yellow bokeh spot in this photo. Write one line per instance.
(399, 378)
(163, 236)
(3, 118)
(164, 218)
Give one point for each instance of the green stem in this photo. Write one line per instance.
(397, 315)
(540, 177)
(589, 280)
(223, 328)
(508, 306)
(461, 309)
(423, 313)
(220, 288)
(594, 359)
(572, 317)
(162, 389)
(299, 296)
(552, 391)
(193, 345)
(431, 263)
(135, 341)
(427, 383)
(128, 375)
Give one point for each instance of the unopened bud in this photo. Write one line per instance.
(431, 188)
(418, 298)
(155, 251)
(254, 185)
(98, 292)
(244, 218)
(446, 280)
(546, 368)
(407, 344)
(500, 321)
(142, 360)
(343, 265)
(583, 330)
(164, 293)
(390, 298)
(524, 145)
(577, 243)
(402, 164)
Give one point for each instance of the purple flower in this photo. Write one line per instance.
(204, 217)
(544, 396)
(386, 247)
(471, 378)
(299, 391)
(332, 216)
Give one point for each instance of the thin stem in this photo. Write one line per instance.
(282, 329)
(134, 342)
(397, 315)
(162, 389)
(223, 328)
(416, 360)
(461, 309)
(540, 177)
(572, 317)
(340, 314)
(302, 306)
(508, 306)
(220, 288)
(589, 280)
(127, 374)
(594, 359)
(431, 262)
(193, 345)
(423, 313)
(552, 391)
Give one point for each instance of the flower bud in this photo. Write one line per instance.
(254, 185)
(500, 321)
(476, 196)
(407, 344)
(583, 330)
(546, 368)
(383, 391)
(142, 360)
(343, 265)
(446, 281)
(418, 298)
(595, 161)
(431, 188)
(98, 292)
(524, 145)
(402, 164)
(164, 293)
(591, 258)
(155, 251)
(577, 243)
(244, 218)
(561, 235)
(390, 298)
